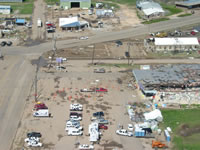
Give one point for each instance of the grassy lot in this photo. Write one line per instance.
(52, 2)
(175, 119)
(128, 2)
(119, 66)
(171, 8)
(21, 8)
(108, 3)
(183, 15)
(155, 20)
(194, 54)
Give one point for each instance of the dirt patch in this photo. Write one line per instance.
(62, 94)
(82, 101)
(48, 146)
(102, 107)
(185, 130)
(112, 144)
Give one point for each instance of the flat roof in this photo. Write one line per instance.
(4, 7)
(176, 41)
(168, 74)
(188, 3)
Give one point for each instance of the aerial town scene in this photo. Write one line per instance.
(99, 74)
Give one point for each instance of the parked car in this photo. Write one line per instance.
(3, 43)
(118, 43)
(130, 127)
(50, 30)
(76, 107)
(98, 114)
(34, 134)
(32, 139)
(102, 121)
(86, 90)
(78, 127)
(8, 43)
(124, 132)
(83, 38)
(101, 126)
(40, 106)
(75, 114)
(76, 118)
(86, 147)
(99, 70)
(34, 144)
(101, 90)
(75, 132)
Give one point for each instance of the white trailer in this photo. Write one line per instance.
(42, 113)
(39, 22)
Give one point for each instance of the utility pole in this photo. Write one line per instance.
(93, 54)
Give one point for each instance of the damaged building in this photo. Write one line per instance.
(170, 77)
(173, 44)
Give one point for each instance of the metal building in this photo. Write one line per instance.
(5, 9)
(67, 4)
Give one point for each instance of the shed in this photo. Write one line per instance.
(69, 22)
(67, 4)
(20, 21)
(5, 9)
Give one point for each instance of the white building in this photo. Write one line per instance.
(179, 44)
(150, 8)
(5, 9)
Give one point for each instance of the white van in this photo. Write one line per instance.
(75, 132)
(42, 113)
(76, 118)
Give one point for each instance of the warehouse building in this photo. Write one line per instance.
(171, 77)
(150, 8)
(188, 4)
(5, 9)
(173, 44)
(83, 4)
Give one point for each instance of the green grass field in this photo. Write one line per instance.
(183, 15)
(176, 118)
(171, 8)
(21, 8)
(155, 20)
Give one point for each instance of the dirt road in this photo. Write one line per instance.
(15, 85)
(39, 33)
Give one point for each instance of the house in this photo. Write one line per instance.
(83, 4)
(72, 22)
(188, 4)
(5, 9)
(150, 8)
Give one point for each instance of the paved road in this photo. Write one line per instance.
(106, 36)
(15, 85)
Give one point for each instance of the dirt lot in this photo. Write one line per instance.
(55, 88)
(104, 50)
(123, 18)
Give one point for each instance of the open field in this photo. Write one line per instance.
(185, 125)
(21, 8)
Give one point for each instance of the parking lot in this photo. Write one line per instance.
(60, 89)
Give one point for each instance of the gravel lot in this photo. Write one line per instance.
(55, 88)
